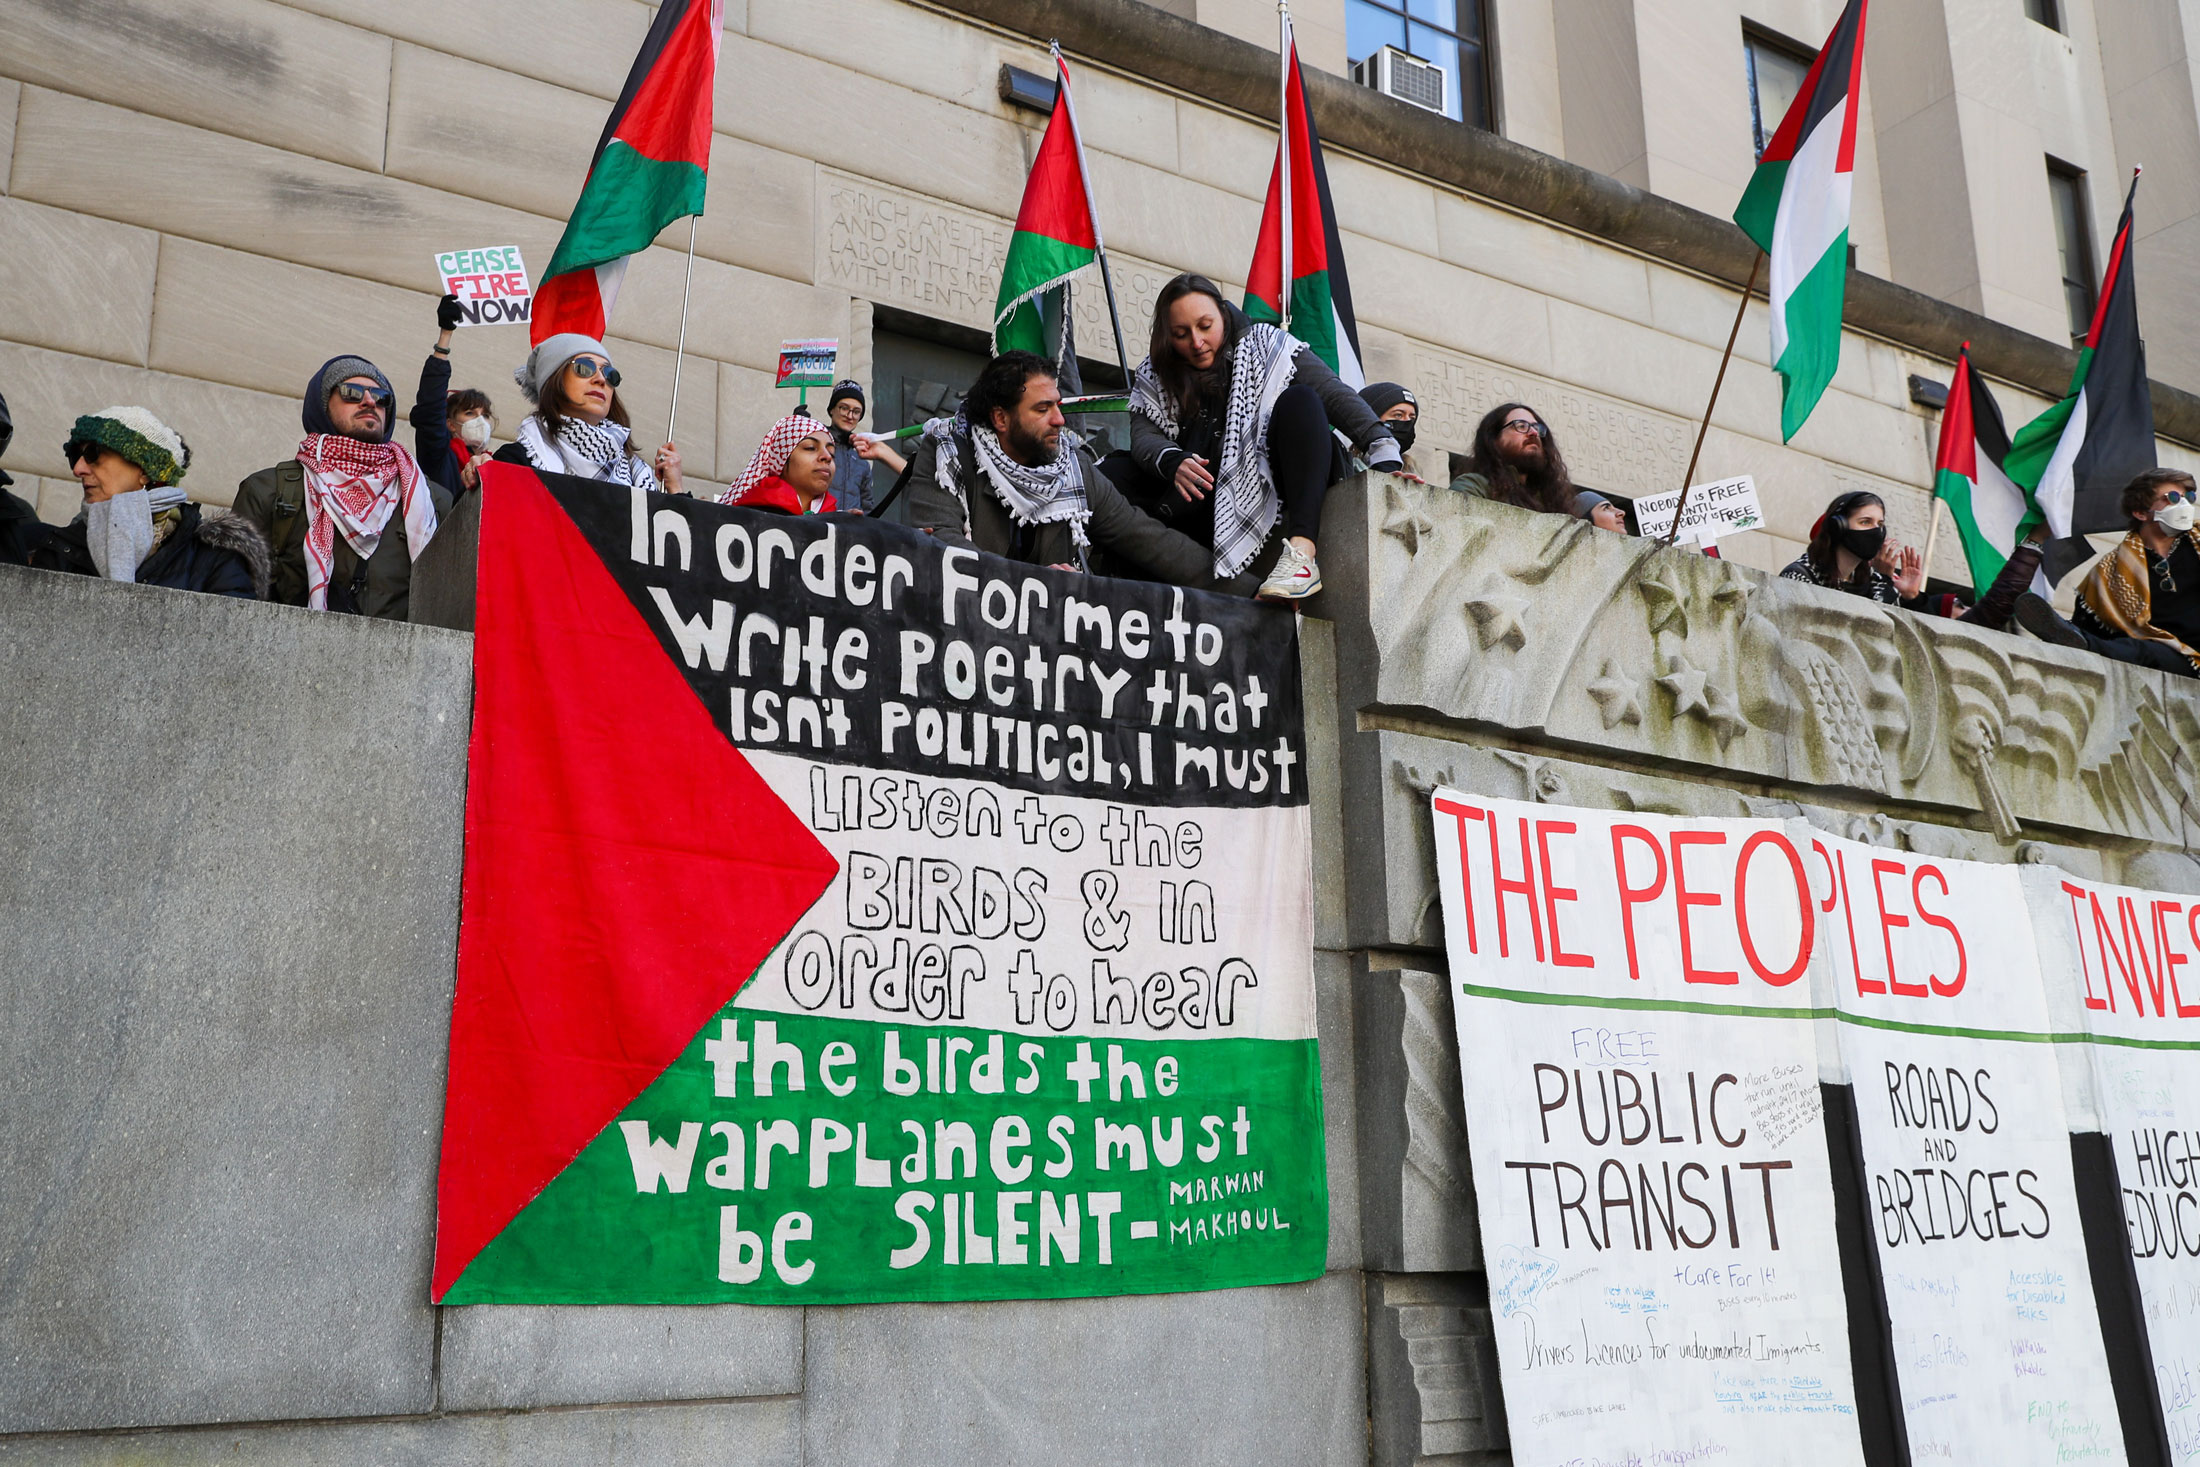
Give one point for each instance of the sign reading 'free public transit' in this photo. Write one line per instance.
(1791, 1149)
(1023, 861)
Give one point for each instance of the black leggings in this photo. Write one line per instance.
(2139, 652)
(1302, 459)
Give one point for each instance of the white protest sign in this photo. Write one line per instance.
(2112, 956)
(1966, 1147)
(1726, 507)
(1639, 1053)
(491, 285)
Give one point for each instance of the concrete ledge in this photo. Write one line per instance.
(1147, 41)
(512, 1356)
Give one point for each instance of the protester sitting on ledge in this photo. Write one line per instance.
(450, 429)
(1849, 551)
(1398, 410)
(21, 531)
(1006, 475)
(1230, 437)
(792, 470)
(1516, 461)
(136, 526)
(579, 425)
(349, 515)
(2141, 603)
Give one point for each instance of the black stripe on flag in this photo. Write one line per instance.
(1340, 289)
(2119, 413)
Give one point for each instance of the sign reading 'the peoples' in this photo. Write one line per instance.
(1637, 1043)
(1048, 1027)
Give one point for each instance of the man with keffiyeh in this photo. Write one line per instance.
(350, 514)
(1006, 476)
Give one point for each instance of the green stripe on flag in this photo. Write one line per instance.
(1313, 315)
(1760, 205)
(1035, 263)
(1813, 319)
(1984, 558)
(2035, 442)
(628, 201)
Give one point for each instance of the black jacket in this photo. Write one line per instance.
(21, 531)
(431, 425)
(1115, 526)
(219, 555)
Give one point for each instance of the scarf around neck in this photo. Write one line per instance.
(1264, 361)
(354, 488)
(124, 529)
(589, 450)
(1041, 494)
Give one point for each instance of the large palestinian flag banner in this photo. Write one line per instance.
(853, 917)
(1991, 513)
(1796, 208)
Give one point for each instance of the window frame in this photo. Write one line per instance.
(2045, 12)
(1482, 46)
(1753, 37)
(2061, 174)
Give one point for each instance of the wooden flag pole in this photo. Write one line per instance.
(1716, 383)
(1932, 536)
(680, 353)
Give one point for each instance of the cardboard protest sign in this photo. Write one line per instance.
(1726, 507)
(491, 285)
(1946, 1038)
(1019, 861)
(1640, 1057)
(2112, 955)
(807, 363)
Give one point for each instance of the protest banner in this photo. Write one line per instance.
(2111, 955)
(1946, 1037)
(1723, 508)
(1020, 862)
(491, 285)
(1640, 1058)
(807, 364)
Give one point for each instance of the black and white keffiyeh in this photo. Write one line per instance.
(1042, 494)
(1263, 364)
(591, 450)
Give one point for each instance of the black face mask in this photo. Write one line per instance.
(1403, 432)
(1863, 544)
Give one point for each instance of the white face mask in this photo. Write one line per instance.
(2177, 517)
(475, 432)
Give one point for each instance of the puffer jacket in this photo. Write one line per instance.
(215, 554)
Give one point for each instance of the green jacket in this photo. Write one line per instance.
(274, 500)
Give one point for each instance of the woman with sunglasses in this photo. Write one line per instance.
(579, 425)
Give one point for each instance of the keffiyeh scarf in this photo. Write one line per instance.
(354, 488)
(1040, 494)
(1263, 364)
(770, 459)
(590, 450)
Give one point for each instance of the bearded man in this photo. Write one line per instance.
(1007, 476)
(350, 514)
(1516, 461)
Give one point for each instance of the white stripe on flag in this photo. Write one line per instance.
(2058, 482)
(609, 277)
(1348, 365)
(1814, 211)
(1996, 505)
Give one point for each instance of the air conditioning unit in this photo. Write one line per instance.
(1408, 78)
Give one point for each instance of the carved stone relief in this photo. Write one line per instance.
(1432, 1372)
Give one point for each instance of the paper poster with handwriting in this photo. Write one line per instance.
(1637, 1043)
(1946, 1038)
(2113, 957)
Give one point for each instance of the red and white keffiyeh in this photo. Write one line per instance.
(354, 487)
(772, 454)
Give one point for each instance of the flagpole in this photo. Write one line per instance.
(1092, 211)
(1283, 154)
(1932, 536)
(680, 353)
(1717, 382)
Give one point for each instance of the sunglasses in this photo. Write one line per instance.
(352, 392)
(587, 367)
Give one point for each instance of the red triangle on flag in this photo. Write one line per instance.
(626, 869)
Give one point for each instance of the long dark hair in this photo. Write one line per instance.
(1825, 537)
(1551, 491)
(1187, 386)
(548, 408)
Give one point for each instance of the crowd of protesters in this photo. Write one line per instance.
(1237, 432)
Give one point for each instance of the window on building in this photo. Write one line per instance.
(2046, 12)
(2073, 244)
(1451, 34)
(1776, 70)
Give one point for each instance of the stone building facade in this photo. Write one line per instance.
(267, 184)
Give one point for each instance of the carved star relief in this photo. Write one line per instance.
(1667, 600)
(1619, 697)
(1686, 682)
(1406, 523)
(1725, 716)
(1497, 618)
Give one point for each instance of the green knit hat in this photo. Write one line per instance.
(139, 437)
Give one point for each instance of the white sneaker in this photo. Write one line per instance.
(1294, 578)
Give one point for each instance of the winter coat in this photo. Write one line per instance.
(274, 500)
(21, 530)
(777, 495)
(439, 457)
(851, 474)
(218, 554)
(1115, 526)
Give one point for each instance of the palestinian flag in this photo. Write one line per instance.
(1990, 512)
(1797, 210)
(1057, 233)
(1321, 297)
(649, 169)
(2076, 457)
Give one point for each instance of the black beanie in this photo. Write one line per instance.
(1383, 396)
(843, 389)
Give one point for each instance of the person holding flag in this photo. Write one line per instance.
(650, 168)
